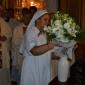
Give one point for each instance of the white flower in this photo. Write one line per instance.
(55, 29)
(67, 25)
(57, 22)
(63, 26)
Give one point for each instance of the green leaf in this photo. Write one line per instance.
(50, 36)
(80, 35)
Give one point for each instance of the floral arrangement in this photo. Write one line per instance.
(63, 28)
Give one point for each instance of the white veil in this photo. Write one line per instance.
(37, 15)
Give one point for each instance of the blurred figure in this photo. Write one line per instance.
(5, 48)
(32, 10)
(6, 15)
(26, 16)
(36, 52)
(10, 18)
(16, 41)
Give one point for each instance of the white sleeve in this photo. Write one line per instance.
(29, 41)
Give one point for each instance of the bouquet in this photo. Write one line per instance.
(64, 31)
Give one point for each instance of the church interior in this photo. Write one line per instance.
(75, 8)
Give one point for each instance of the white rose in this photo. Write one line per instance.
(54, 30)
(66, 25)
(57, 22)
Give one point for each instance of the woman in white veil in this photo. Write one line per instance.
(36, 52)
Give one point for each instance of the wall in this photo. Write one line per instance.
(83, 14)
(51, 5)
(73, 8)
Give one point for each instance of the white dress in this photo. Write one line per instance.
(16, 57)
(5, 48)
(16, 41)
(35, 69)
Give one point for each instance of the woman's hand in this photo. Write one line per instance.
(50, 45)
(38, 50)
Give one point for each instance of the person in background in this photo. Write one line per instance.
(26, 14)
(5, 48)
(6, 15)
(16, 41)
(32, 10)
(36, 52)
(10, 18)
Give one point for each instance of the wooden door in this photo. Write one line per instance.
(73, 8)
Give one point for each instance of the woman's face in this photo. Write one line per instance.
(43, 21)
